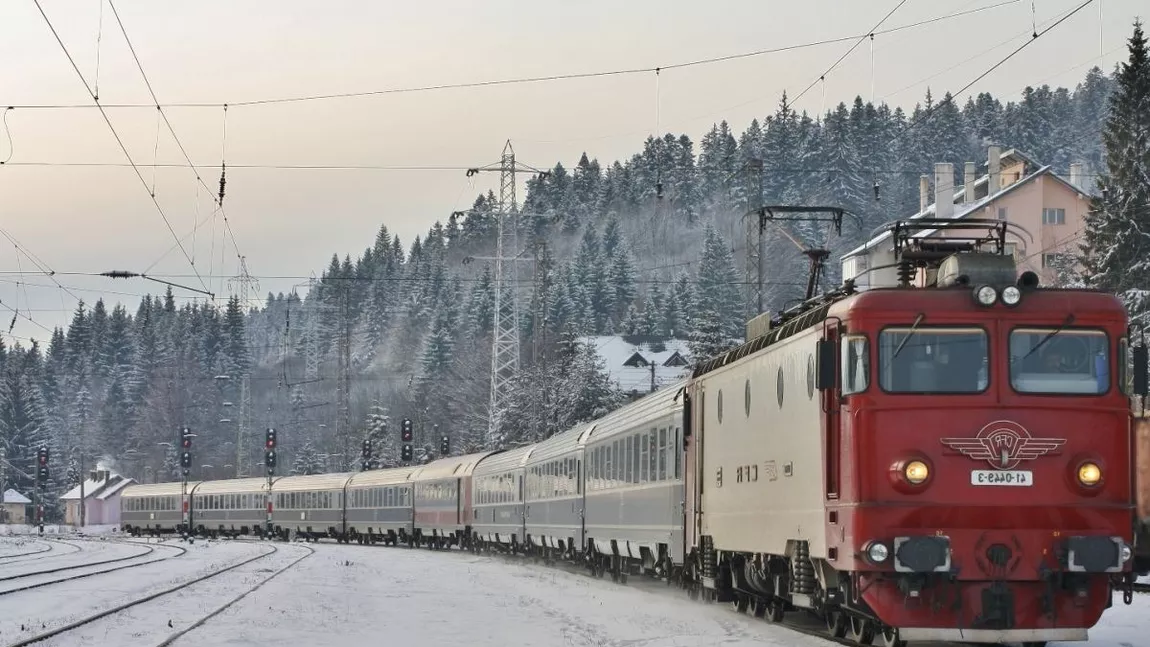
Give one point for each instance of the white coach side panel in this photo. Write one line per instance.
(762, 474)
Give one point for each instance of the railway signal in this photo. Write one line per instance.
(42, 466)
(366, 454)
(186, 439)
(270, 451)
(406, 433)
(406, 456)
(444, 446)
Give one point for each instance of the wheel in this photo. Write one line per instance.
(861, 630)
(775, 611)
(740, 603)
(889, 636)
(836, 624)
(760, 608)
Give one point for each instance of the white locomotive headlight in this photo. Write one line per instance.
(985, 295)
(1126, 553)
(1011, 295)
(877, 552)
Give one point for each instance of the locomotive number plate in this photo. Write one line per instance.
(1014, 478)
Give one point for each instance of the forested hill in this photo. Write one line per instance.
(649, 245)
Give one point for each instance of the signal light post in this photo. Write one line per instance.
(366, 455)
(407, 436)
(41, 481)
(186, 437)
(270, 463)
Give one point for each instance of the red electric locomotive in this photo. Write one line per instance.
(976, 445)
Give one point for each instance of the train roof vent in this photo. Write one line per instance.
(977, 269)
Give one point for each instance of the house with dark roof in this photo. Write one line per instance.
(1046, 213)
(640, 365)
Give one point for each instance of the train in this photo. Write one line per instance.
(949, 458)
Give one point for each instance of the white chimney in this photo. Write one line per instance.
(968, 174)
(994, 169)
(1076, 175)
(943, 190)
(923, 193)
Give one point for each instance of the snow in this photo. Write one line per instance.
(615, 351)
(12, 496)
(360, 595)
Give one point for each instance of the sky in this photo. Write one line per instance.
(76, 220)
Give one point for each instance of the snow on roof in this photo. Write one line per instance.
(114, 488)
(12, 496)
(92, 487)
(671, 364)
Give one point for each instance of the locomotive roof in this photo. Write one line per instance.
(450, 467)
(311, 482)
(506, 460)
(232, 486)
(959, 299)
(374, 478)
(156, 489)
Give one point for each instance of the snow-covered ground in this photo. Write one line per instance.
(348, 595)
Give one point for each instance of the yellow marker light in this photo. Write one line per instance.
(1089, 474)
(916, 472)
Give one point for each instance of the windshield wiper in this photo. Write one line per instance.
(1066, 322)
(913, 327)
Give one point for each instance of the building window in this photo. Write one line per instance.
(1002, 213)
(1054, 216)
(1054, 260)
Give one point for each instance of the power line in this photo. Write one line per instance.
(115, 134)
(531, 79)
(823, 76)
(930, 112)
(217, 200)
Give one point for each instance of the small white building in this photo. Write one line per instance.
(639, 365)
(101, 502)
(15, 507)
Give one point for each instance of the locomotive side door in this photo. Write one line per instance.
(828, 370)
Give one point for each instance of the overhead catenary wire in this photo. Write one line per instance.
(115, 134)
(532, 79)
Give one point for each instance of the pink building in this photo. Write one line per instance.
(101, 499)
(1046, 214)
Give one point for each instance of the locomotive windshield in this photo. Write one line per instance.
(1072, 361)
(930, 359)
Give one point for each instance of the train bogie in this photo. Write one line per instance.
(554, 509)
(379, 506)
(310, 506)
(230, 508)
(497, 513)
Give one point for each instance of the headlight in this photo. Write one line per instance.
(985, 295)
(1011, 295)
(916, 472)
(1089, 474)
(1127, 553)
(877, 552)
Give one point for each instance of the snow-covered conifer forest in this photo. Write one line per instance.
(651, 245)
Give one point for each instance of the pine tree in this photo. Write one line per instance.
(307, 460)
(715, 319)
(1118, 227)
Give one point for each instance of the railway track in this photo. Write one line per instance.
(54, 549)
(43, 549)
(80, 576)
(183, 586)
(60, 569)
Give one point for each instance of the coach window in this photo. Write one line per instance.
(633, 444)
(855, 362)
(644, 459)
(931, 359)
(663, 454)
(1053, 361)
(678, 453)
(653, 452)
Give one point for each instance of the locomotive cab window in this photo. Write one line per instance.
(1059, 361)
(855, 364)
(928, 359)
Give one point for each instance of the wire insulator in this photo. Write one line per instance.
(223, 182)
